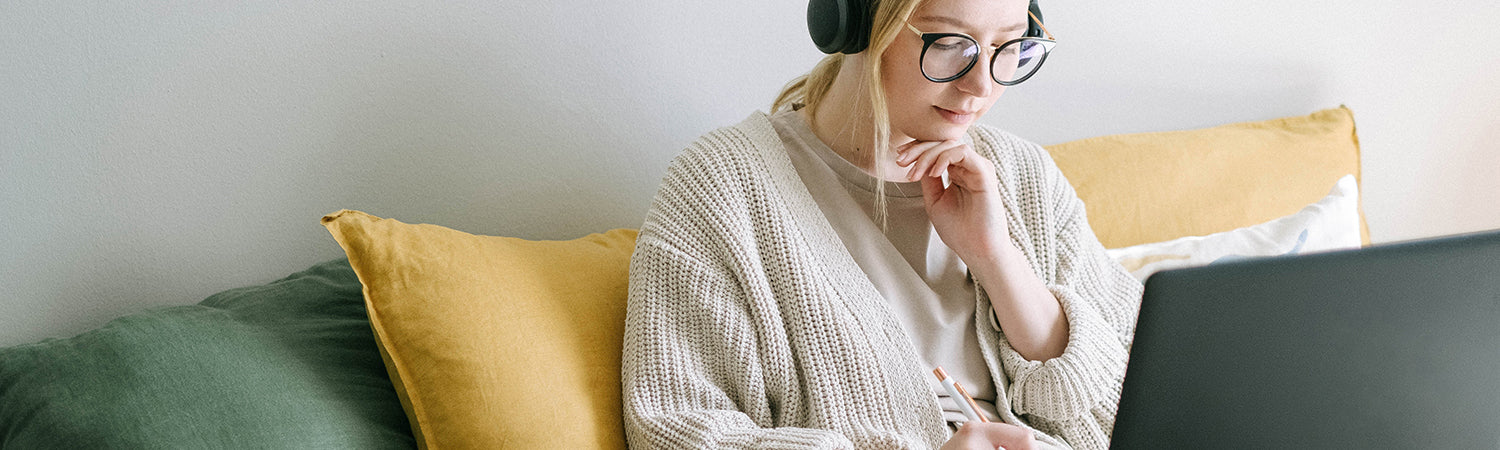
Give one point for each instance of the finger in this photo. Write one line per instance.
(925, 162)
(973, 172)
(1005, 435)
(971, 180)
(920, 165)
(978, 163)
(948, 158)
(909, 152)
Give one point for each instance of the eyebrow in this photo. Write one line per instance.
(962, 24)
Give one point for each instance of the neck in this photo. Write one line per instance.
(845, 123)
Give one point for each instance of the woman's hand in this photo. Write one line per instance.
(989, 436)
(968, 214)
(970, 218)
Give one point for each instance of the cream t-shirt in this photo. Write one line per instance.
(925, 281)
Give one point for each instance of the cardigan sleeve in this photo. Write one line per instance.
(692, 372)
(691, 369)
(1100, 300)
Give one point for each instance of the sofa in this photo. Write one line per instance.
(431, 337)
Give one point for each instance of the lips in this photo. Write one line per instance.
(958, 117)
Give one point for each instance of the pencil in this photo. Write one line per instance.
(960, 396)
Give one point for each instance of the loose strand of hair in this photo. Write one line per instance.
(888, 17)
(881, 129)
(810, 88)
(793, 92)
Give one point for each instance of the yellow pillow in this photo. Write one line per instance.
(496, 342)
(1153, 187)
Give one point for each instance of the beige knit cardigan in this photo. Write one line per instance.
(749, 325)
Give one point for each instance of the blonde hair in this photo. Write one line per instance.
(810, 89)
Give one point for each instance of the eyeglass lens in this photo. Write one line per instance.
(951, 56)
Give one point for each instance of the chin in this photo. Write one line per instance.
(939, 132)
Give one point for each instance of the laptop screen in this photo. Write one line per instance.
(1391, 346)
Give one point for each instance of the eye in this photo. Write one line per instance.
(948, 47)
(953, 44)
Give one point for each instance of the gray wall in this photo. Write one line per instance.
(156, 152)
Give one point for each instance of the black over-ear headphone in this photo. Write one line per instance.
(843, 26)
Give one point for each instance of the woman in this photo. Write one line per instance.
(801, 274)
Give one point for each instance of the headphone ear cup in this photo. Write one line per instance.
(827, 24)
(1033, 25)
(839, 26)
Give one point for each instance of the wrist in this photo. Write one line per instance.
(1029, 315)
(1005, 265)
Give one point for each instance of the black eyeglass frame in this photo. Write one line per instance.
(929, 38)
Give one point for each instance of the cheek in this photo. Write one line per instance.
(903, 78)
(905, 88)
(898, 83)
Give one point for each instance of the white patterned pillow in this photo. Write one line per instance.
(1329, 224)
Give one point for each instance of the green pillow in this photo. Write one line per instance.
(289, 364)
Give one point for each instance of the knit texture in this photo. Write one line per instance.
(749, 325)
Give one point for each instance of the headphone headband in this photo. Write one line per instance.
(843, 26)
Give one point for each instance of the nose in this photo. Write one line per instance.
(978, 82)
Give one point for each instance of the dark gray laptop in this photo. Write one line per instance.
(1391, 346)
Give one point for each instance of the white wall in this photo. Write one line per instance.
(156, 152)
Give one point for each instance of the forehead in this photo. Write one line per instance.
(974, 15)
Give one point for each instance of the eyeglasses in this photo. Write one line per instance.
(948, 56)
